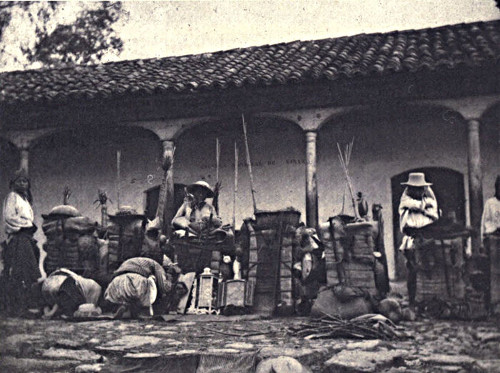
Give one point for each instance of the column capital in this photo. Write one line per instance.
(307, 119)
(23, 140)
(169, 129)
(473, 124)
(468, 107)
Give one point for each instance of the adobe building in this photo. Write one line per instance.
(412, 100)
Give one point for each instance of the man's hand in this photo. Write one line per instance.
(217, 187)
(168, 161)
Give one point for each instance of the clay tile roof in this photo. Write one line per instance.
(472, 45)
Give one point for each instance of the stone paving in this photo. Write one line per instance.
(185, 343)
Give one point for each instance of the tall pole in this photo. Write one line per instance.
(475, 181)
(311, 180)
(217, 159)
(118, 178)
(235, 183)
(169, 151)
(249, 163)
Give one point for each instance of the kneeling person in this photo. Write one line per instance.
(64, 291)
(136, 285)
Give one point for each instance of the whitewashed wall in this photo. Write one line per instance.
(384, 146)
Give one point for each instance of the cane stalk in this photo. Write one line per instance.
(249, 163)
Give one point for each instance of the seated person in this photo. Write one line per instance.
(196, 215)
(64, 291)
(138, 282)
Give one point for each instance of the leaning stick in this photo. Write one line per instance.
(249, 164)
(217, 158)
(235, 193)
(217, 163)
(344, 161)
(118, 160)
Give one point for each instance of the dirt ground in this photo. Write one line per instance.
(194, 343)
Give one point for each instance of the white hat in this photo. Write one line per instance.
(416, 179)
(201, 184)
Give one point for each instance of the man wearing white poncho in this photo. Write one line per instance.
(418, 208)
(138, 282)
(64, 291)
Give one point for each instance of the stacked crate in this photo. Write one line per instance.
(70, 242)
(331, 261)
(349, 254)
(492, 244)
(125, 241)
(271, 278)
(286, 262)
(194, 255)
(359, 259)
(440, 270)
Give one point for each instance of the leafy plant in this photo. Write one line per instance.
(55, 40)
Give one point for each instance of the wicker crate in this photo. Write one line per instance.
(492, 243)
(360, 275)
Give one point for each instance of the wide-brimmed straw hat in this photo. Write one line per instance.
(126, 212)
(416, 179)
(203, 185)
(62, 211)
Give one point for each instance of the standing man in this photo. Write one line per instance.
(490, 222)
(21, 254)
(418, 208)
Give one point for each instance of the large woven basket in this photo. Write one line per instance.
(272, 219)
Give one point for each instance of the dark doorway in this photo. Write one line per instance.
(448, 185)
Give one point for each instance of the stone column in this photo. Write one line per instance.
(311, 180)
(168, 151)
(475, 180)
(24, 158)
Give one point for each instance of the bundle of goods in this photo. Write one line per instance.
(440, 270)
(308, 268)
(441, 273)
(196, 252)
(492, 245)
(269, 242)
(193, 255)
(125, 234)
(71, 242)
(349, 253)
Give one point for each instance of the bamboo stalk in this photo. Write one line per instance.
(235, 193)
(217, 158)
(344, 162)
(249, 163)
(118, 178)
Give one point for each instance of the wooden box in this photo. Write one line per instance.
(236, 293)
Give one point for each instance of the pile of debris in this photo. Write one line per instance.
(368, 326)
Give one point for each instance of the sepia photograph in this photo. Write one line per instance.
(250, 186)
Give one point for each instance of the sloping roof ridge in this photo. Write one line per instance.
(200, 56)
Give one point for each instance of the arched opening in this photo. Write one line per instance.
(387, 141)
(448, 186)
(85, 160)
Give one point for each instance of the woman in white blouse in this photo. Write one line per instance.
(21, 253)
